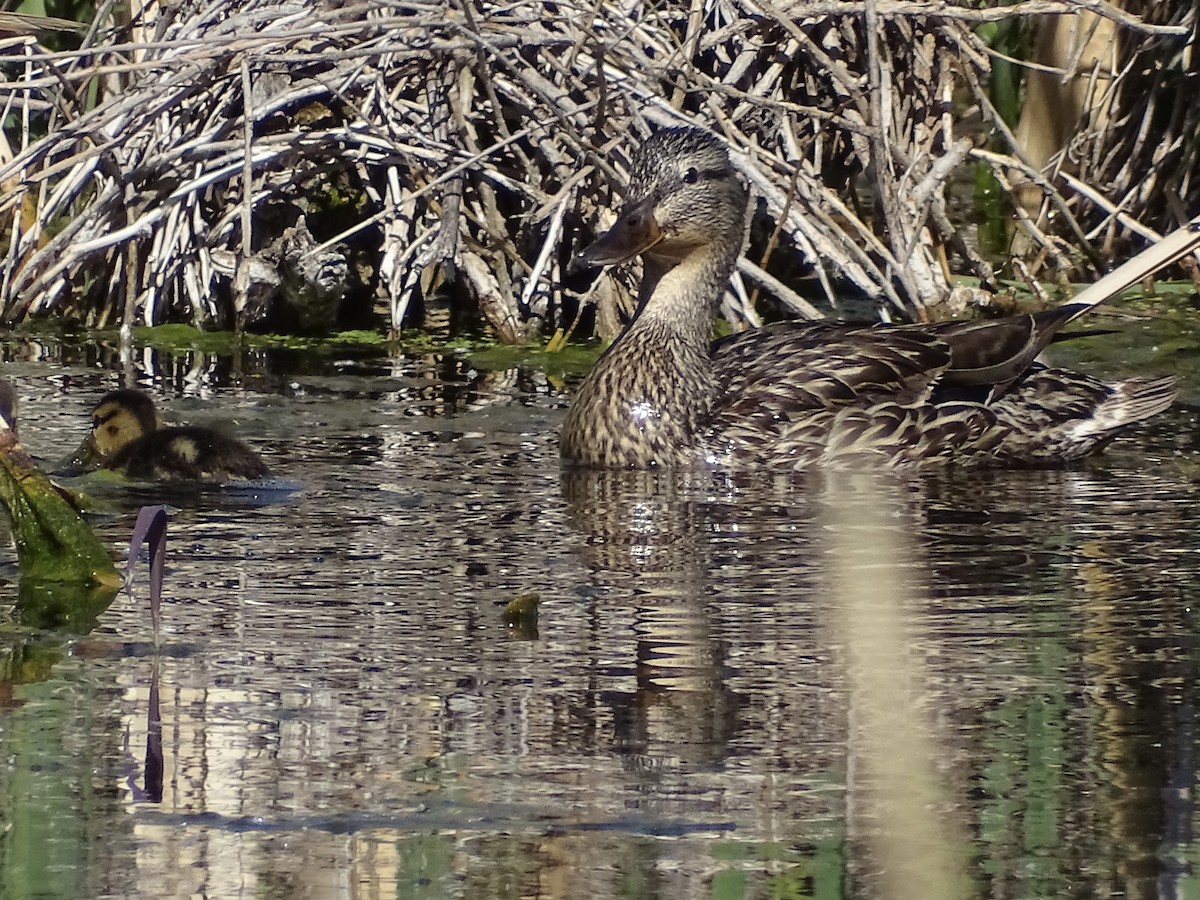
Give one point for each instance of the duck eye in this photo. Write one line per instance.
(691, 175)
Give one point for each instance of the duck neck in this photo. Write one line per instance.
(682, 296)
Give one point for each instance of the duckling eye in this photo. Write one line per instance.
(691, 175)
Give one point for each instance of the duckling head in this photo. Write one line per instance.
(119, 419)
(684, 195)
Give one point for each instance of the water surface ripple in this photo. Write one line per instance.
(736, 686)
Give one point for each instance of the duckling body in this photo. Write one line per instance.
(796, 394)
(126, 437)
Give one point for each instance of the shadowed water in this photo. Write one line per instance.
(983, 683)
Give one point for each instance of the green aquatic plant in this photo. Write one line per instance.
(67, 575)
(521, 615)
(53, 541)
(571, 359)
(187, 337)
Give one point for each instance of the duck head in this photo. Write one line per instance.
(119, 419)
(684, 195)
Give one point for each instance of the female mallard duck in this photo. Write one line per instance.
(794, 394)
(126, 437)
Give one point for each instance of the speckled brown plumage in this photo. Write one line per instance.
(792, 395)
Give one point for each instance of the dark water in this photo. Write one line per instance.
(965, 685)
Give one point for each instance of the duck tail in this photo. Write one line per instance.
(1131, 401)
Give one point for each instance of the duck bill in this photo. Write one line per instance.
(84, 459)
(634, 232)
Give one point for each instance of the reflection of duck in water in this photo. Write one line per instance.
(126, 437)
(795, 394)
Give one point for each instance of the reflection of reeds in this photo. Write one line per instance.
(895, 797)
(1137, 679)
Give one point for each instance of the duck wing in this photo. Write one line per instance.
(791, 368)
(998, 352)
(796, 393)
(792, 393)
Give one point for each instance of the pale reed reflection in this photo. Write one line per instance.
(897, 802)
(1139, 679)
(243, 852)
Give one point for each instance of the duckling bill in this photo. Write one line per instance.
(127, 437)
(797, 394)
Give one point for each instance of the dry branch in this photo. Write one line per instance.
(269, 161)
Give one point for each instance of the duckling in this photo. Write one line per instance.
(796, 394)
(127, 437)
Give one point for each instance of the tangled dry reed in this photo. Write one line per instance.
(209, 159)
